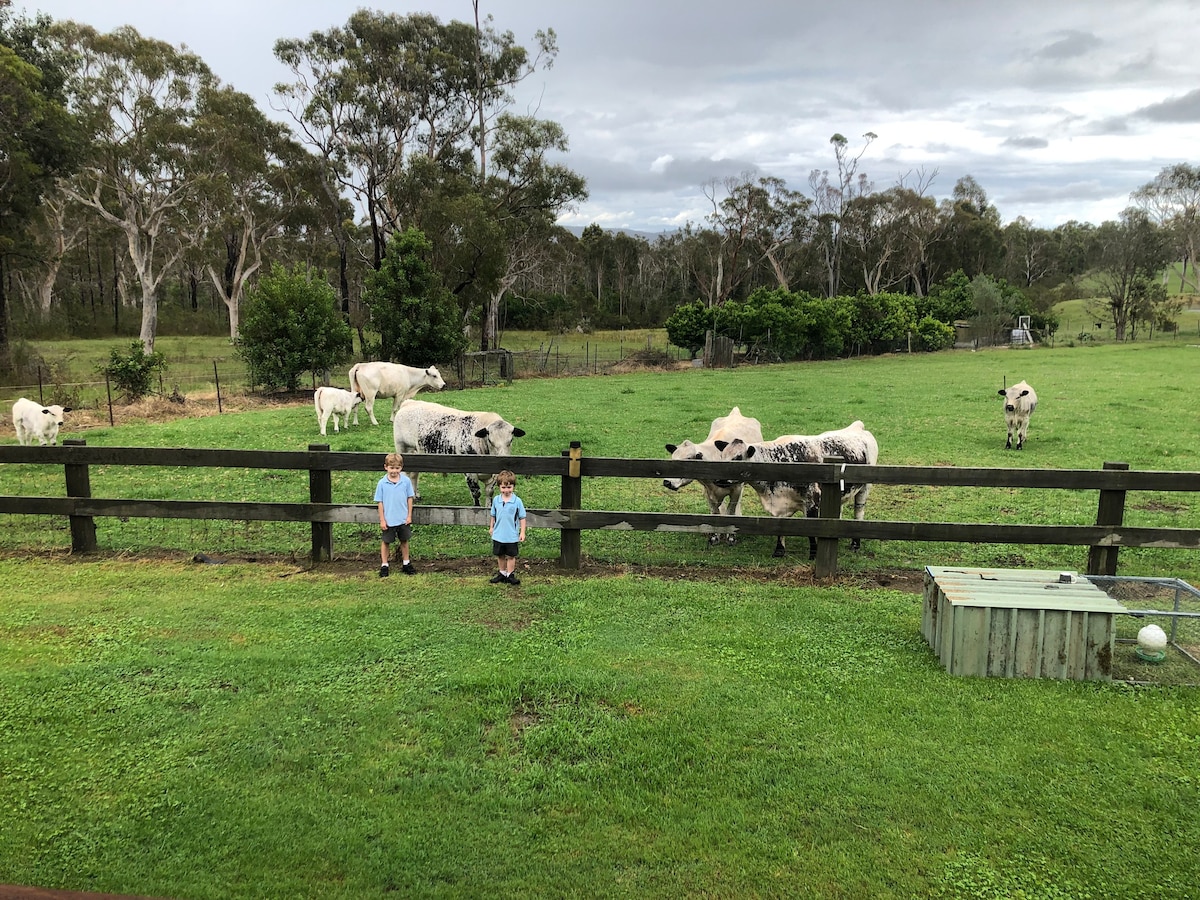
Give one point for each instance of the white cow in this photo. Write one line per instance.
(334, 402)
(422, 427)
(854, 444)
(34, 421)
(1020, 401)
(728, 428)
(384, 379)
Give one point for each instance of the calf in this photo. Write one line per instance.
(384, 379)
(34, 421)
(781, 499)
(421, 427)
(1020, 401)
(728, 428)
(331, 401)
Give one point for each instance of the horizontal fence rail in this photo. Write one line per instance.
(1104, 538)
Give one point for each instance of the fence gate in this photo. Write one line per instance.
(718, 351)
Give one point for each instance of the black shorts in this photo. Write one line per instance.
(402, 533)
(506, 548)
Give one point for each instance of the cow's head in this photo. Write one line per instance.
(498, 437)
(687, 450)
(53, 421)
(779, 498)
(1012, 395)
(433, 379)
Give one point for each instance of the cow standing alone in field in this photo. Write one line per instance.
(1020, 401)
(853, 444)
(422, 427)
(34, 421)
(331, 401)
(728, 428)
(384, 379)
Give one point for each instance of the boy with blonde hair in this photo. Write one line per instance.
(506, 522)
(394, 495)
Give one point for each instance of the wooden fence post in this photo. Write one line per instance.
(570, 547)
(825, 565)
(79, 484)
(1110, 511)
(320, 490)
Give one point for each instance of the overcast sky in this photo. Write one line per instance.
(1058, 108)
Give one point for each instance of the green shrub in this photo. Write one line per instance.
(133, 373)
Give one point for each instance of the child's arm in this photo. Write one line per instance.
(408, 521)
(382, 518)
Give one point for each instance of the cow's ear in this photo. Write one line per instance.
(671, 448)
(749, 452)
(1024, 393)
(481, 433)
(517, 432)
(45, 412)
(1000, 392)
(721, 445)
(67, 409)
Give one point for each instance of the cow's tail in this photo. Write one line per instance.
(354, 379)
(317, 400)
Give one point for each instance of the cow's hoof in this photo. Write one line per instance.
(732, 539)
(713, 540)
(779, 551)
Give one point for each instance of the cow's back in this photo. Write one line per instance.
(735, 426)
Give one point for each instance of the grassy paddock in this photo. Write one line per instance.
(257, 731)
(1109, 403)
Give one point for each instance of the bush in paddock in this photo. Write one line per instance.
(133, 373)
(291, 325)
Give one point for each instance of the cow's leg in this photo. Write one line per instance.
(473, 485)
(714, 509)
(733, 506)
(814, 512)
(780, 547)
(336, 430)
(369, 403)
(860, 512)
(413, 476)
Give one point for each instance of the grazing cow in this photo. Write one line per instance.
(422, 427)
(384, 379)
(32, 420)
(854, 444)
(728, 428)
(1020, 401)
(331, 401)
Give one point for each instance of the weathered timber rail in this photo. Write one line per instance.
(1104, 538)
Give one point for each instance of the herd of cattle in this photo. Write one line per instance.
(423, 427)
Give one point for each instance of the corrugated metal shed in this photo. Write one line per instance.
(1014, 623)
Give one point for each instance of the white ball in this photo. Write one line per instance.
(1152, 639)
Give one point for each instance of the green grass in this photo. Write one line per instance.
(199, 732)
(1107, 403)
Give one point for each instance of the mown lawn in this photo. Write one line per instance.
(190, 731)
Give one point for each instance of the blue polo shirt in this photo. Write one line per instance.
(507, 516)
(394, 496)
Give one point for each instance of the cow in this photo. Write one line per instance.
(331, 401)
(34, 421)
(422, 427)
(728, 428)
(1020, 401)
(384, 379)
(853, 444)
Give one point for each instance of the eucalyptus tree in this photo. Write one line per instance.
(261, 179)
(138, 99)
(39, 141)
(973, 239)
(831, 195)
(383, 88)
(1173, 199)
(1131, 253)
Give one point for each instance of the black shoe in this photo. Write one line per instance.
(498, 578)
(408, 569)
(513, 579)
(383, 572)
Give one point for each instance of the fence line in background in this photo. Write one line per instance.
(1104, 538)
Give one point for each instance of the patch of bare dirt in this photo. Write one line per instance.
(158, 409)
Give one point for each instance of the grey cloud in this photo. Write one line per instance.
(1072, 45)
(1176, 109)
(1026, 143)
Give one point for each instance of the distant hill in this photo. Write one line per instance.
(650, 236)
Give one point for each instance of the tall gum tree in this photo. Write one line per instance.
(138, 98)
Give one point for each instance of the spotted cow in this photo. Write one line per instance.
(854, 444)
(732, 427)
(421, 427)
(1020, 401)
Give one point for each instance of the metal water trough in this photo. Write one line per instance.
(1014, 623)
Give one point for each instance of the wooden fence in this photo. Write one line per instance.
(1104, 538)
